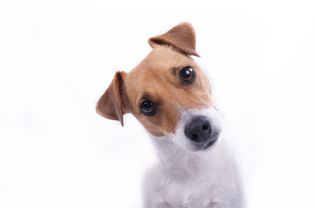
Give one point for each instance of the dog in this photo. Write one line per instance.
(171, 97)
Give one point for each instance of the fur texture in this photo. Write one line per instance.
(193, 179)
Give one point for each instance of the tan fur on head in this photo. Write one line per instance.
(157, 77)
(112, 104)
(181, 37)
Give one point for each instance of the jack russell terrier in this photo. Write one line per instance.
(171, 97)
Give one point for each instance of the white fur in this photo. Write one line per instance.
(185, 178)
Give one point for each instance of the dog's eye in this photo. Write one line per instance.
(187, 75)
(148, 108)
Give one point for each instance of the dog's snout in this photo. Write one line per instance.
(198, 129)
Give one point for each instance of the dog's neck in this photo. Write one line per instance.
(179, 162)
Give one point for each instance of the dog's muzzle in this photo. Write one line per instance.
(201, 132)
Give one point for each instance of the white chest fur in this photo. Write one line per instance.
(184, 179)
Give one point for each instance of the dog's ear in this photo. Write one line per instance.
(112, 104)
(181, 37)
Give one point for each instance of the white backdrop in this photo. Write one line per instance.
(57, 58)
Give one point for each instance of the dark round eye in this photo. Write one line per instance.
(187, 74)
(148, 108)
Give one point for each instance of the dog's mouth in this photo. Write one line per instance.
(210, 143)
(200, 146)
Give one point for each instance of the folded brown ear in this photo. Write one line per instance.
(112, 104)
(181, 37)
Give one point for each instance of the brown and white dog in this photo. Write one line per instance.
(170, 95)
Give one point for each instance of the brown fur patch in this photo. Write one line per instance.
(182, 37)
(155, 78)
(112, 104)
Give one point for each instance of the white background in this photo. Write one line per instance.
(57, 58)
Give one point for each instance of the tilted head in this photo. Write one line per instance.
(167, 92)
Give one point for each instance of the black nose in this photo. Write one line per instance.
(198, 129)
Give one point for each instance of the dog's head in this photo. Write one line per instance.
(167, 92)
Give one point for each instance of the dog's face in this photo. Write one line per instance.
(167, 92)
